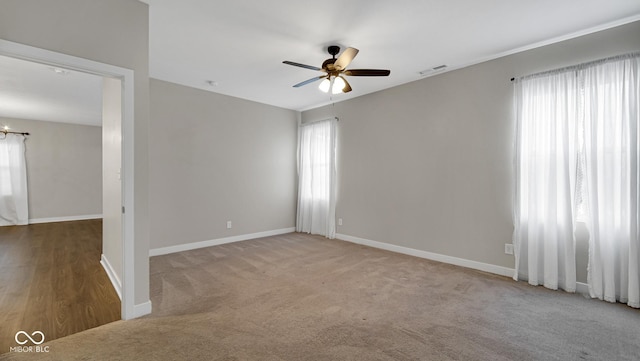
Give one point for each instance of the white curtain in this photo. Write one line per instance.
(611, 117)
(544, 243)
(577, 160)
(13, 180)
(317, 178)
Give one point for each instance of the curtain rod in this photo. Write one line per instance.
(8, 132)
(583, 65)
(321, 120)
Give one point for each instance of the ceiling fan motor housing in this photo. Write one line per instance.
(333, 50)
(327, 62)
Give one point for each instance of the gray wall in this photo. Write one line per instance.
(215, 158)
(113, 32)
(428, 165)
(64, 168)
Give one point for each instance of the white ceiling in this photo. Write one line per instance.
(40, 92)
(241, 44)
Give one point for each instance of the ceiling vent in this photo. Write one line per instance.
(432, 70)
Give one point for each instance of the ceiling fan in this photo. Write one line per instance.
(334, 70)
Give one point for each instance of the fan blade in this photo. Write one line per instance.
(309, 81)
(345, 58)
(367, 72)
(347, 87)
(302, 65)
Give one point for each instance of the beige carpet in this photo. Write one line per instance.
(300, 297)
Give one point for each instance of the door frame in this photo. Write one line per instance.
(26, 52)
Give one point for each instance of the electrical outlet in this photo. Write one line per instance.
(339, 221)
(508, 248)
(228, 224)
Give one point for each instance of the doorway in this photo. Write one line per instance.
(123, 255)
(52, 265)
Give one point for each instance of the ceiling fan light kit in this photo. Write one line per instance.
(338, 85)
(325, 85)
(335, 69)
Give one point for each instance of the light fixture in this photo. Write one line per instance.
(335, 83)
(325, 85)
(338, 85)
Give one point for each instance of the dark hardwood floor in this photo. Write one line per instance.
(51, 280)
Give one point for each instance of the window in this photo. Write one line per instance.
(317, 178)
(13, 180)
(577, 161)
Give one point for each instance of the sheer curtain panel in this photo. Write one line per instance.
(611, 117)
(317, 178)
(577, 157)
(544, 242)
(13, 180)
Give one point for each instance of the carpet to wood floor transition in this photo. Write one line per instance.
(302, 297)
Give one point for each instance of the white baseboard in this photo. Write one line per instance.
(113, 276)
(142, 309)
(582, 288)
(486, 267)
(64, 219)
(216, 242)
